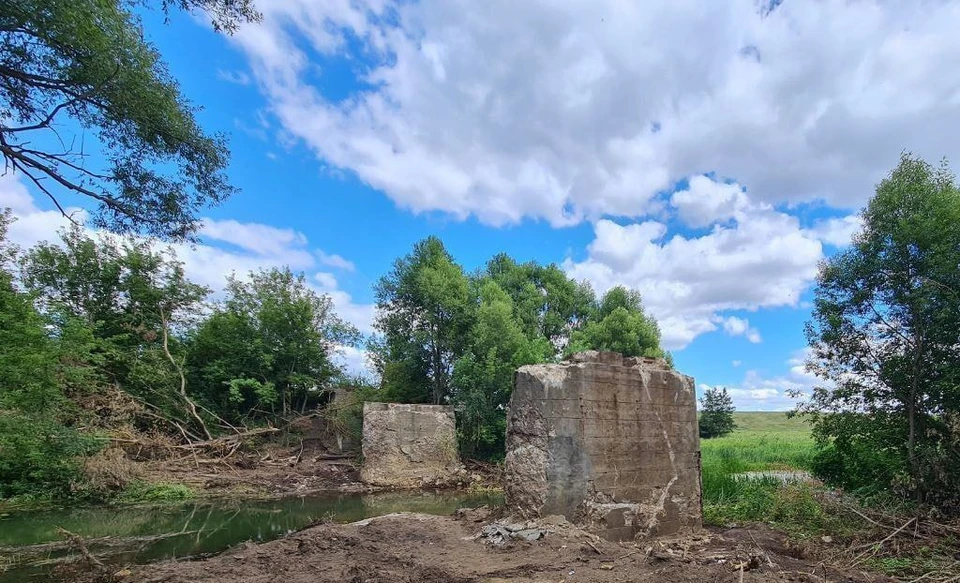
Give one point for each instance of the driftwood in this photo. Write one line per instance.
(228, 441)
(103, 573)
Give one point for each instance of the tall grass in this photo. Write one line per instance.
(749, 451)
(762, 442)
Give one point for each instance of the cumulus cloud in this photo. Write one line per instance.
(335, 261)
(355, 361)
(248, 247)
(759, 258)
(506, 110)
(757, 392)
(706, 201)
(32, 224)
(735, 326)
(838, 232)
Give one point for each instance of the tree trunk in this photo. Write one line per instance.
(183, 379)
(912, 419)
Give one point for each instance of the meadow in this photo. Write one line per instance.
(762, 441)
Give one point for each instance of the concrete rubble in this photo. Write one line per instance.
(409, 446)
(609, 442)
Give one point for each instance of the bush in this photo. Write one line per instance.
(40, 456)
(157, 492)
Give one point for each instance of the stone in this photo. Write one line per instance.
(608, 442)
(529, 535)
(409, 446)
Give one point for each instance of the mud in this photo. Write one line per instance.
(413, 548)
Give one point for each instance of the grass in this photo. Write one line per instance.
(155, 492)
(764, 441)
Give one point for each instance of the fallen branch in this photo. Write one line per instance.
(77, 541)
(228, 440)
(875, 546)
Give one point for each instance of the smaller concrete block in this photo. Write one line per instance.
(408, 446)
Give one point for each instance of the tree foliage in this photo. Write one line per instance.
(267, 350)
(716, 413)
(38, 448)
(118, 304)
(619, 325)
(885, 338)
(93, 321)
(423, 314)
(70, 69)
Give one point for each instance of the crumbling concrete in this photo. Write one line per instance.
(409, 446)
(606, 441)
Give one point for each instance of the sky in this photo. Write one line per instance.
(707, 154)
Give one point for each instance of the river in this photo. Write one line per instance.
(31, 544)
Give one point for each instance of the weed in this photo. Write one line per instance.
(156, 492)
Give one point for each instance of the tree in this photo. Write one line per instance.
(546, 302)
(483, 377)
(39, 449)
(619, 325)
(88, 60)
(423, 316)
(716, 413)
(268, 350)
(120, 303)
(885, 339)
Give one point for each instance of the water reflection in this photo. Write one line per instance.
(142, 534)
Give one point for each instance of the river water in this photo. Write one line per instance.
(30, 543)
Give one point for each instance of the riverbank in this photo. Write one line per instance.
(415, 548)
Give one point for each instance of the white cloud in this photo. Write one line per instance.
(355, 361)
(507, 110)
(258, 238)
(838, 232)
(736, 363)
(759, 393)
(741, 327)
(251, 246)
(706, 201)
(335, 261)
(32, 224)
(235, 77)
(760, 259)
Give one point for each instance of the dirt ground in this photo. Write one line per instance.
(415, 548)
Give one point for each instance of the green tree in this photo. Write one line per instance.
(39, 452)
(885, 338)
(619, 325)
(424, 311)
(546, 302)
(716, 413)
(121, 304)
(88, 60)
(268, 350)
(483, 377)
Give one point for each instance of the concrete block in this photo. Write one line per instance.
(606, 441)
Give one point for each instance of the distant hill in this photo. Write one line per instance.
(769, 422)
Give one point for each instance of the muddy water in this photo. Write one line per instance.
(30, 545)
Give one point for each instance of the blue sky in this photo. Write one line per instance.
(708, 156)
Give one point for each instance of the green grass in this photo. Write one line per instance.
(770, 423)
(762, 441)
(155, 492)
